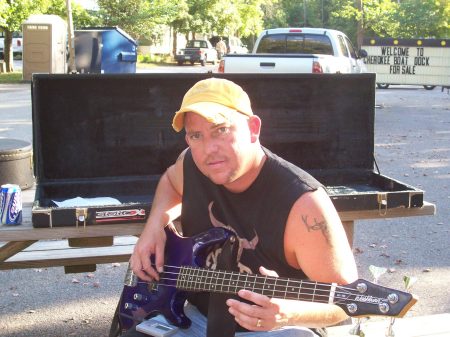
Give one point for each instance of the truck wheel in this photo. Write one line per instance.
(429, 87)
(202, 62)
(180, 63)
(382, 85)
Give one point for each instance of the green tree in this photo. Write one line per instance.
(180, 22)
(252, 17)
(13, 14)
(139, 18)
(375, 17)
(81, 17)
(388, 18)
(294, 13)
(236, 18)
(212, 16)
(274, 14)
(422, 18)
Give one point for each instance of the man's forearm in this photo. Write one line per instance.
(166, 205)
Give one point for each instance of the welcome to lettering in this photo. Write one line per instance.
(395, 51)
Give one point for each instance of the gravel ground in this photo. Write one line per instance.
(412, 145)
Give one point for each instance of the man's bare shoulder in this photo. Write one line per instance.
(315, 236)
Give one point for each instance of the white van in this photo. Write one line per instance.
(235, 46)
(17, 44)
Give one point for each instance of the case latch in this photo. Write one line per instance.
(81, 216)
(46, 211)
(382, 203)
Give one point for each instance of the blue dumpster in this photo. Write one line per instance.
(105, 50)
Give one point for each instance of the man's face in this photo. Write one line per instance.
(220, 151)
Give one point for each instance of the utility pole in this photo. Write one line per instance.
(360, 26)
(72, 66)
(322, 15)
(304, 14)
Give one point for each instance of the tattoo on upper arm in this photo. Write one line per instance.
(316, 226)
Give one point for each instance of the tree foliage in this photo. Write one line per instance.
(13, 14)
(81, 17)
(139, 18)
(145, 19)
(384, 18)
(430, 19)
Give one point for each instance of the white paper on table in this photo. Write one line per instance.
(84, 202)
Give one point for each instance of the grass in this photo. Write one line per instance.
(11, 78)
(148, 60)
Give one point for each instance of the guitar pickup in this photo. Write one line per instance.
(152, 287)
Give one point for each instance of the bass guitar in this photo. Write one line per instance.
(184, 271)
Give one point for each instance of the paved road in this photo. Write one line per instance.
(412, 136)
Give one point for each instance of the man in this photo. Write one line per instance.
(221, 48)
(284, 219)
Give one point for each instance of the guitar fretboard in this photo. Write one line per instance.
(199, 279)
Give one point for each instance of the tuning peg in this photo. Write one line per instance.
(392, 298)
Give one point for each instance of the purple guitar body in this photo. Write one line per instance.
(185, 259)
(141, 300)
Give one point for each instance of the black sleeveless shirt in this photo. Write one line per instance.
(258, 215)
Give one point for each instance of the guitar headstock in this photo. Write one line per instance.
(363, 298)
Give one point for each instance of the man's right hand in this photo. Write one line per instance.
(151, 243)
(166, 207)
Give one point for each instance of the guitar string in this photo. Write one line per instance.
(320, 298)
(307, 282)
(348, 292)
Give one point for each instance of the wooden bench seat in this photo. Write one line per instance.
(54, 253)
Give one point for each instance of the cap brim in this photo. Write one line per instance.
(213, 112)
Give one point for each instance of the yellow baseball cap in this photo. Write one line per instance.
(213, 99)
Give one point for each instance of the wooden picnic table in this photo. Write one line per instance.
(79, 249)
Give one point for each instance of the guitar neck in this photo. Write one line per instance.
(359, 298)
(219, 281)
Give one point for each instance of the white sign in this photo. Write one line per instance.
(409, 61)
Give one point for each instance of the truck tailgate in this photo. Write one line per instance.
(268, 63)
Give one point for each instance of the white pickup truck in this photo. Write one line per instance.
(297, 50)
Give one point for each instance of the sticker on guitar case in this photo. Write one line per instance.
(120, 215)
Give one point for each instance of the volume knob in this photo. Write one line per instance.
(130, 306)
(139, 297)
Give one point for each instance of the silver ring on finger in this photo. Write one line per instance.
(258, 323)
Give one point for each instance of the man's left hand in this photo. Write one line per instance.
(263, 315)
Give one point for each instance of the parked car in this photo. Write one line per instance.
(235, 46)
(17, 44)
(197, 51)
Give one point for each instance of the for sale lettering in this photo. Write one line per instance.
(120, 213)
(404, 70)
